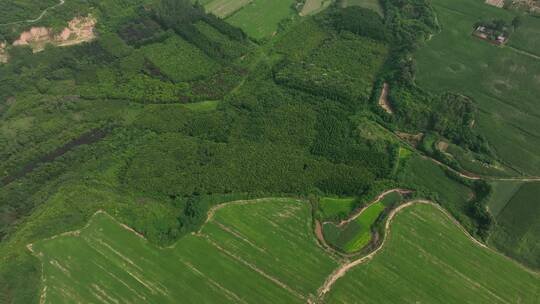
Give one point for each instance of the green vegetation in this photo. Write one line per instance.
(429, 178)
(501, 81)
(502, 193)
(232, 258)
(171, 111)
(336, 208)
(357, 233)
(374, 5)
(261, 18)
(517, 229)
(179, 60)
(430, 260)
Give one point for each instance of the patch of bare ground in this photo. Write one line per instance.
(3, 52)
(383, 99)
(412, 139)
(497, 3)
(79, 30)
(442, 146)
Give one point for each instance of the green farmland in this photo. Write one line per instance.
(260, 18)
(241, 255)
(427, 259)
(517, 229)
(356, 234)
(502, 81)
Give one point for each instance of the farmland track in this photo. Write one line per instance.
(344, 268)
(43, 13)
(465, 175)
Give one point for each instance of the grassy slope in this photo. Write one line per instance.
(260, 18)
(214, 266)
(427, 259)
(517, 230)
(503, 82)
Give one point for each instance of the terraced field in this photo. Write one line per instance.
(428, 259)
(242, 255)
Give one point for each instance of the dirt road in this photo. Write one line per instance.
(43, 13)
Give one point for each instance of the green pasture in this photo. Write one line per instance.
(517, 229)
(260, 18)
(427, 259)
(203, 106)
(242, 255)
(502, 81)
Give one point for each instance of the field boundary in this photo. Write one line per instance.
(43, 13)
(344, 268)
(332, 278)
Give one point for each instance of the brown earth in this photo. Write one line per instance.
(383, 99)
(3, 53)
(79, 30)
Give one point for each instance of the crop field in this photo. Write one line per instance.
(371, 4)
(334, 208)
(502, 81)
(471, 163)
(356, 234)
(503, 191)
(180, 60)
(242, 255)
(428, 259)
(452, 194)
(224, 8)
(260, 18)
(517, 229)
(312, 7)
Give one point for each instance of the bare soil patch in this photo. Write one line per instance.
(497, 3)
(383, 99)
(79, 30)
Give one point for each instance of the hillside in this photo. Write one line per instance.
(156, 113)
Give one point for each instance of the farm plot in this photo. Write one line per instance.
(356, 234)
(517, 228)
(428, 259)
(423, 174)
(502, 81)
(179, 60)
(244, 254)
(260, 18)
(225, 8)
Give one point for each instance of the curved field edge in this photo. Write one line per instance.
(241, 255)
(429, 257)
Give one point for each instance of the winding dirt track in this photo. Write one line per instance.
(343, 269)
(43, 13)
